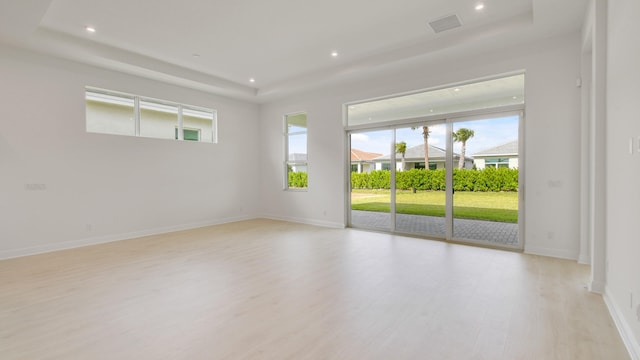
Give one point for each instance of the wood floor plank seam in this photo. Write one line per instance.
(268, 289)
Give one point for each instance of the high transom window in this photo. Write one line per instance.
(115, 113)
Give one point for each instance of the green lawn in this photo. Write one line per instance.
(492, 206)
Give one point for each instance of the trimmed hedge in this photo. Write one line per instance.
(488, 179)
(297, 179)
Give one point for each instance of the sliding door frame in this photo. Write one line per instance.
(448, 120)
(521, 171)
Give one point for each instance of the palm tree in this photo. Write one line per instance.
(401, 148)
(462, 135)
(425, 136)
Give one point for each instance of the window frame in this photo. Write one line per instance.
(137, 99)
(496, 163)
(295, 163)
(433, 165)
(185, 129)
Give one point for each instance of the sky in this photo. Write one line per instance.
(488, 133)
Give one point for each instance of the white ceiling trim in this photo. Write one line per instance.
(21, 24)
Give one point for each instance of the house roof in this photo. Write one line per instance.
(359, 155)
(509, 148)
(416, 153)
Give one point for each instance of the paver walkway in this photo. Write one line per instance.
(491, 231)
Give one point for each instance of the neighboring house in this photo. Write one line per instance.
(362, 161)
(414, 159)
(501, 156)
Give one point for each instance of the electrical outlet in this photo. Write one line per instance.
(35, 187)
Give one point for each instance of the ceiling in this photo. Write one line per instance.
(500, 92)
(285, 45)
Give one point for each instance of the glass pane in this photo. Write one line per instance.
(158, 120)
(110, 114)
(370, 186)
(297, 147)
(198, 121)
(191, 135)
(296, 123)
(296, 157)
(481, 95)
(420, 192)
(485, 199)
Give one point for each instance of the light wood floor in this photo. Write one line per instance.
(265, 289)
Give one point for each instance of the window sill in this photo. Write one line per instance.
(296, 189)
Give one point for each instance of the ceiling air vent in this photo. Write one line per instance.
(445, 23)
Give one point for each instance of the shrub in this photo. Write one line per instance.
(379, 179)
(465, 180)
(488, 179)
(298, 179)
(359, 180)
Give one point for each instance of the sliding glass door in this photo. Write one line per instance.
(455, 179)
(370, 178)
(420, 198)
(443, 163)
(485, 181)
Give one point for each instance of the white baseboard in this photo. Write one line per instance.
(597, 287)
(624, 329)
(584, 260)
(328, 224)
(556, 253)
(39, 249)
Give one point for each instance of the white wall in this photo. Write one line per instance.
(553, 114)
(623, 168)
(317, 204)
(105, 187)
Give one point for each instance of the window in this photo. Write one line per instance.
(497, 163)
(432, 165)
(201, 121)
(506, 91)
(157, 120)
(109, 112)
(189, 134)
(296, 151)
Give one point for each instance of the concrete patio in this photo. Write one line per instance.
(490, 231)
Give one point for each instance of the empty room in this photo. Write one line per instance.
(319, 179)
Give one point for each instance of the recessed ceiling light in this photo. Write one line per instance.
(515, 97)
(90, 29)
(252, 80)
(334, 53)
(456, 89)
(195, 55)
(479, 6)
